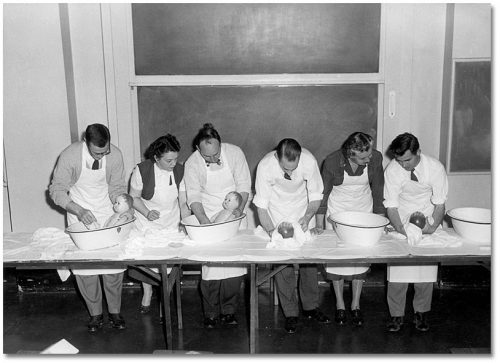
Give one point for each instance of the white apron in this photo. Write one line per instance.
(219, 183)
(288, 202)
(91, 192)
(414, 197)
(165, 201)
(355, 195)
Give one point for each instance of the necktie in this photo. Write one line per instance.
(413, 176)
(287, 177)
(170, 180)
(95, 165)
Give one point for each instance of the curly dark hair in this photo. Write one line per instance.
(162, 145)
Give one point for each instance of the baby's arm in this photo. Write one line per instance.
(223, 216)
(112, 220)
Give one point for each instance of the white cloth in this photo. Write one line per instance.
(165, 199)
(355, 195)
(220, 181)
(298, 240)
(410, 196)
(91, 192)
(287, 199)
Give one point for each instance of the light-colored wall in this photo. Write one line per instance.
(35, 110)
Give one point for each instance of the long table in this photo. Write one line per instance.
(244, 249)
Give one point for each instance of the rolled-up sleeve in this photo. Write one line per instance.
(193, 180)
(392, 186)
(240, 170)
(263, 187)
(314, 181)
(439, 185)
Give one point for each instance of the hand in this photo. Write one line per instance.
(316, 230)
(304, 223)
(237, 213)
(87, 217)
(153, 215)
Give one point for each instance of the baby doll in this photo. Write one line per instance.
(418, 219)
(231, 202)
(124, 211)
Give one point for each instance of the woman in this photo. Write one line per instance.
(353, 178)
(159, 193)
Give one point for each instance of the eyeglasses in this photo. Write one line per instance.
(101, 154)
(287, 177)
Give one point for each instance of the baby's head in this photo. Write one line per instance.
(232, 200)
(123, 203)
(286, 231)
(418, 219)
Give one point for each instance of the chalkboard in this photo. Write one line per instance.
(471, 122)
(189, 39)
(256, 118)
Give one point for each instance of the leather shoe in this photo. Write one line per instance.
(145, 309)
(210, 323)
(95, 322)
(340, 316)
(116, 321)
(228, 319)
(420, 321)
(357, 318)
(291, 324)
(395, 324)
(318, 315)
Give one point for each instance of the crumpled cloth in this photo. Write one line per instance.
(440, 238)
(137, 240)
(278, 242)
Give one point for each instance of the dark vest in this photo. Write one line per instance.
(148, 177)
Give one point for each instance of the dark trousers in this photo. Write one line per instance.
(220, 296)
(90, 288)
(396, 297)
(286, 285)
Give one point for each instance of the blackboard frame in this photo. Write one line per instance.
(469, 140)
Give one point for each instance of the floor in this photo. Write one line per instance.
(45, 312)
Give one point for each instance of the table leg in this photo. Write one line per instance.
(178, 297)
(253, 308)
(166, 306)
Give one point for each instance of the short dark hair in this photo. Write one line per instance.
(404, 142)
(97, 134)
(357, 141)
(207, 132)
(289, 149)
(162, 145)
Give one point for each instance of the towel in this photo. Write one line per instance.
(55, 242)
(298, 240)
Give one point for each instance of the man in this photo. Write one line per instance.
(413, 182)
(289, 189)
(88, 177)
(211, 172)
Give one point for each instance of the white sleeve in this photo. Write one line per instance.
(136, 179)
(263, 188)
(392, 186)
(314, 180)
(439, 181)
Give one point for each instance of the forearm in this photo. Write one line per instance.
(199, 212)
(394, 217)
(244, 200)
(185, 211)
(265, 220)
(311, 210)
(140, 206)
(74, 208)
(437, 216)
(320, 221)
